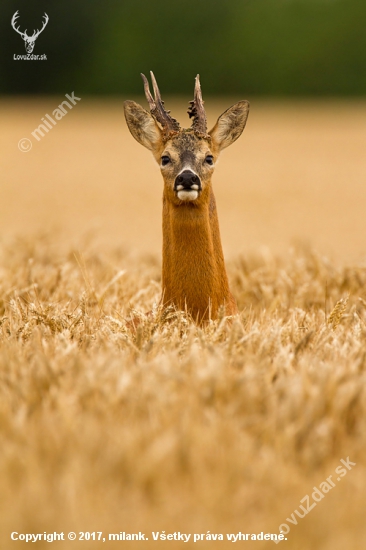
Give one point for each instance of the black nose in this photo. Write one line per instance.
(186, 180)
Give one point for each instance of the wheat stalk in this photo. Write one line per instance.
(337, 313)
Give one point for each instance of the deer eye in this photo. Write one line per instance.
(165, 160)
(209, 160)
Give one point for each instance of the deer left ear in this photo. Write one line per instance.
(142, 125)
(230, 125)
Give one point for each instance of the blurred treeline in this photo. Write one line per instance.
(271, 47)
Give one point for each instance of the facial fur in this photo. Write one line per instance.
(186, 162)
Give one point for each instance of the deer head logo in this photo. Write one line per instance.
(29, 41)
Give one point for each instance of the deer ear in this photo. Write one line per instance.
(230, 125)
(142, 125)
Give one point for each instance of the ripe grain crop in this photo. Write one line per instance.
(223, 428)
(172, 426)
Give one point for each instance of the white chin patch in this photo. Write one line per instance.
(187, 195)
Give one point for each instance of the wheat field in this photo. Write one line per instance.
(171, 427)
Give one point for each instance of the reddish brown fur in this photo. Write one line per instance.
(193, 273)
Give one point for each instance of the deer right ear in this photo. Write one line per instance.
(230, 125)
(142, 125)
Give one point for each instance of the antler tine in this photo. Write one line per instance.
(156, 89)
(156, 104)
(196, 110)
(14, 18)
(148, 95)
(38, 32)
(13, 21)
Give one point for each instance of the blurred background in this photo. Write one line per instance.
(255, 47)
(298, 172)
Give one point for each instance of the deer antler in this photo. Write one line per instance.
(37, 32)
(156, 104)
(13, 21)
(196, 111)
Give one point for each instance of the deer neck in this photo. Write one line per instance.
(194, 275)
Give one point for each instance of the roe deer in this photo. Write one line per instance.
(193, 271)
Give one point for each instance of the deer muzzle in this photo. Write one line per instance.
(187, 185)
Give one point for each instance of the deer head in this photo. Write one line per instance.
(186, 157)
(29, 41)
